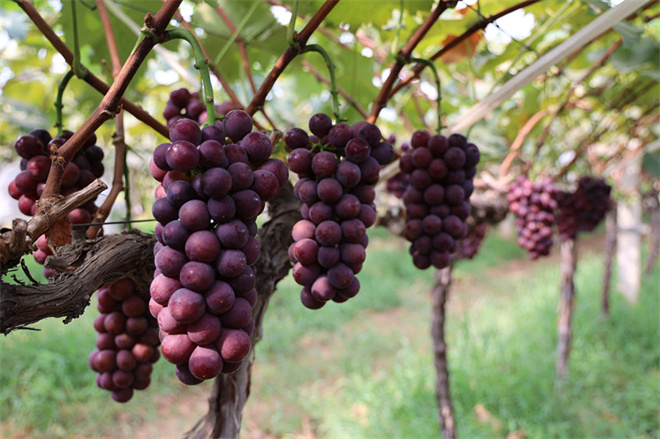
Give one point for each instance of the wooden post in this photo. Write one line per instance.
(568, 262)
(629, 219)
(445, 410)
(610, 247)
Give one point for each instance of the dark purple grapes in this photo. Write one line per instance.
(337, 194)
(432, 188)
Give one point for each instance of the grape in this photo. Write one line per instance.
(197, 276)
(278, 168)
(241, 174)
(219, 297)
(238, 315)
(194, 215)
(320, 124)
(222, 209)
(437, 198)
(186, 306)
(296, 138)
(186, 130)
(205, 362)
(237, 124)
(258, 147)
(206, 330)
(211, 153)
(234, 345)
(29, 146)
(182, 155)
(217, 182)
(231, 263)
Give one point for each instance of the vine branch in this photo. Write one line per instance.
(404, 55)
(289, 54)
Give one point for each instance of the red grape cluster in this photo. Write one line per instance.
(206, 207)
(28, 185)
(185, 105)
(534, 205)
(127, 340)
(437, 200)
(337, 195)
(583, 209)
(472, 241)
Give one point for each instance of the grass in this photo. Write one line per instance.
(364, 368)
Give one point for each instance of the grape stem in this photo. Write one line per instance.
(78, 68)
(458, 40)
(58, 101)
(333, 79)
(291, 30)
(404, 54)
(288, 55)
(430, 64)
(201, 64)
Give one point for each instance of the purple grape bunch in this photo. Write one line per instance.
(28, 185)
(215, 182)
(534, 205)
(127, 340)
(437, 199)
(583, 209)
(183, 104)
(473, 240)
(338, 166)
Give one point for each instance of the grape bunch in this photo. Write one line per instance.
(583, 209)
(29, 184)
(534, 205)
(472, 241)
(207, 203)
(183, 104)
(338, 166)
(84, 168)
(127, 340)
(437, 199)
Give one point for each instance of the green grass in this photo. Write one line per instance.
(364, 368)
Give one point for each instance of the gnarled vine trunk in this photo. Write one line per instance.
(445, 409)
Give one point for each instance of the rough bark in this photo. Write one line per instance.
(91, 264)
(568, 262)
(654, 241)
(610, 248)
(445, 409)
(15, 243)
(231, 391)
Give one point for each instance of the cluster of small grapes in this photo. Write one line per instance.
(437, 202)
(206, 207)
(583, 209)
(186, 105)
(127, 340)
(337, 196)
(28, 185)
(472, 242)
(534, 205)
